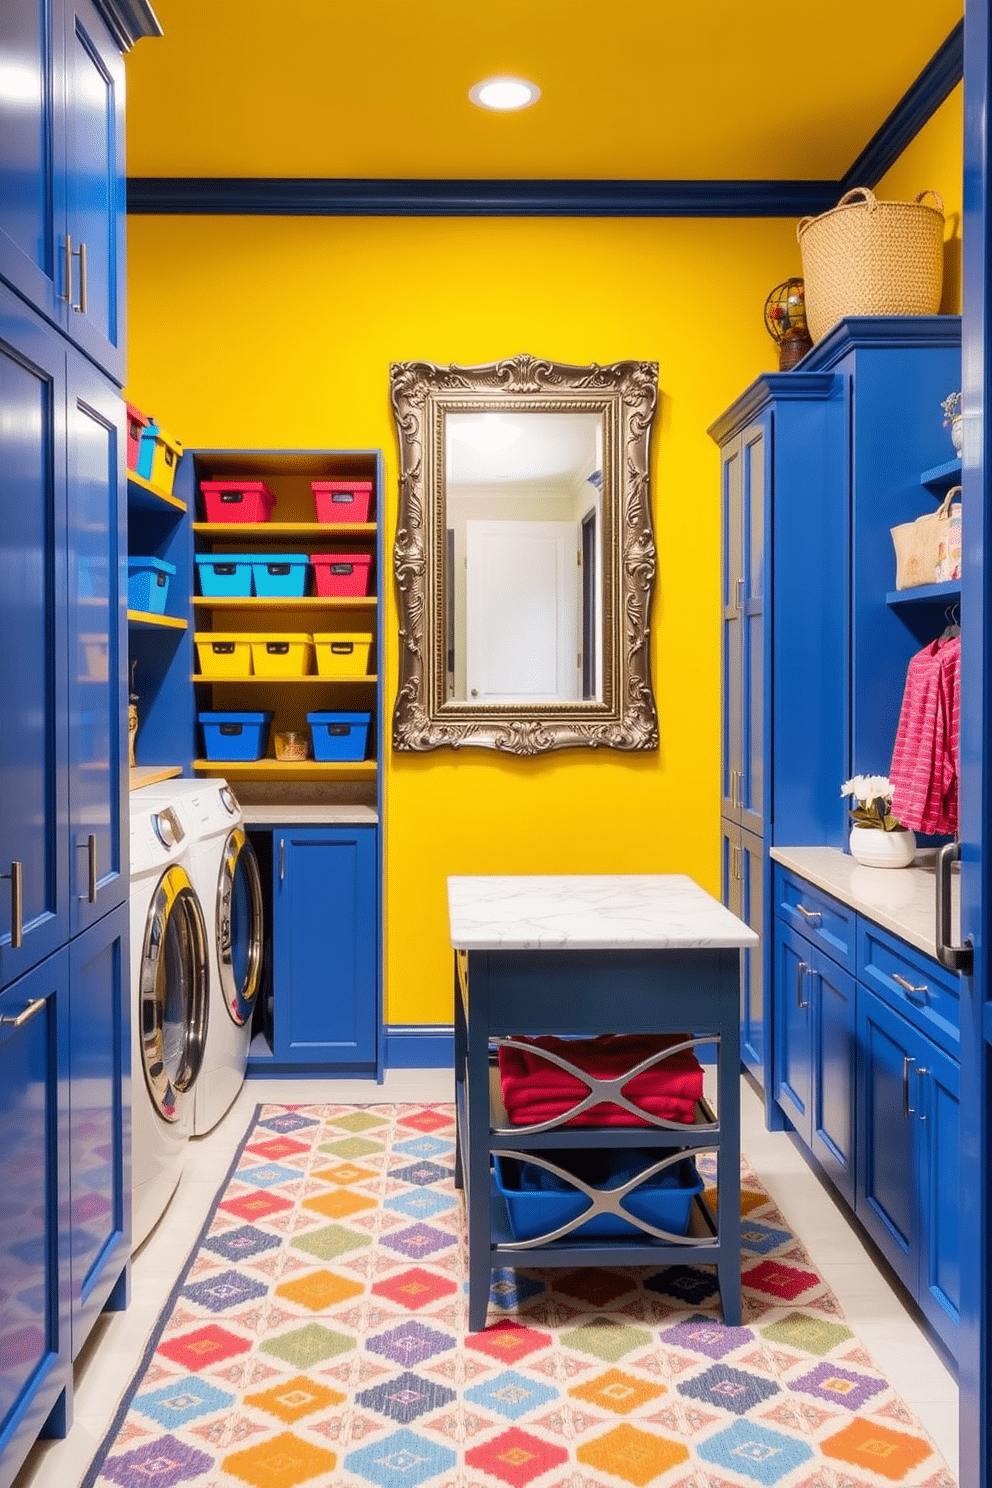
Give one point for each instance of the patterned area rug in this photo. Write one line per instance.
(317, 1337)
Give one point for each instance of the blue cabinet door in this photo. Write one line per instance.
(940, 1122)
(35, 1375)
(97, 681)
(794, 1028)
(324, 946)
(744, 896)
(888, 1178)
(95, 205)
(34, 898)
(99, 1120)
(744, 575)
(833, 998)
(32, 190)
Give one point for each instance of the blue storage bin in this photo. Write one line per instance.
(235, 736)
(339, 736)
(224, 574)
(278, 574)
(148, 584)
(537, 1201)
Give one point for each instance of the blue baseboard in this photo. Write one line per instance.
(419, 1046)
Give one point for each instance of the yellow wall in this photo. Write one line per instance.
(934, 160)
(272, 333)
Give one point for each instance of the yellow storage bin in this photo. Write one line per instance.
(159, 454)
(343, 653)
(223, 655)
(281, 654)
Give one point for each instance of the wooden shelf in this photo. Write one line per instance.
(310, 680)
(270, 769)
(142, 620)
(264, 532)
(151, 774)
(142, 493)
(284, 602)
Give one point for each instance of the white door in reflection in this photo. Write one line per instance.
(523, 587)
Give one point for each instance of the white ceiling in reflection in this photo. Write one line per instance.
(509, 448)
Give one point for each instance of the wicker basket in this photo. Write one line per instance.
(870, 257)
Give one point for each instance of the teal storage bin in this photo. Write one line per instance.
(280, 574)
(339, 736)
(538, 1202)
(148, 584)
(224, 574)
(235, 736)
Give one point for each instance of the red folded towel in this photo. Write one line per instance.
(535, 1090)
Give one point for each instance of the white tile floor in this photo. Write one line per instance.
(871, 1306)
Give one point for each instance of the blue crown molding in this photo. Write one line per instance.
(284, 197)
(129, 20)
(279, 196)
(937, 80)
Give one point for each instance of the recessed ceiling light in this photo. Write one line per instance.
(504, 93)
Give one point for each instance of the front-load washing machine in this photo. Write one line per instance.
(224, 871)
(169, 1007)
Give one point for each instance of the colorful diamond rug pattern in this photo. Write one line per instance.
(316, 1339)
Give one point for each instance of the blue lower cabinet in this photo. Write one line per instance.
(908, 1163)
(325, 958)
(99, 1121)
(815, 1058)
(35, 1369)
(743, 894)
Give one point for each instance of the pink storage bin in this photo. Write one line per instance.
(338, 574)
(342, 500)
(237, 501)
(136, 421)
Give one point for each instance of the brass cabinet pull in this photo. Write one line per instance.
(16, 876)
(25, 1015)
(809, 914)
(923, 991)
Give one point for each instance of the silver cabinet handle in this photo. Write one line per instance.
(25, 1015)
(282, 858)
(90, 895)
(81, 306)
(922, 1074)
(954, 957)
(907, 1065)
(922, 991)
(67, 269)
(740, 594)
(809, 914)
(16, 876)
(801, 971)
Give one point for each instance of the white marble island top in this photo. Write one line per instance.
(589, 912)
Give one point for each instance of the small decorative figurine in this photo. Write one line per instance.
(132, 720)
(785, 321)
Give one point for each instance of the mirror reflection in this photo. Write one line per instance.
(523, 523)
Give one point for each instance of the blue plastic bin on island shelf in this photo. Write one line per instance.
(538, 1201)
(235, 736)
(148, 584)
(224, 574)
(339, 736)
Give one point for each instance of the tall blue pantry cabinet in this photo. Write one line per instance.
(64, 1096)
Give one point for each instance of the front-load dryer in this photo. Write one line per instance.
(169, 1007)
(224, 871)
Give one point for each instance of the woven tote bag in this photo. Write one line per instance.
(928, 550)
(871, 257)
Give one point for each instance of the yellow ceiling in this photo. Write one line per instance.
(648, 89)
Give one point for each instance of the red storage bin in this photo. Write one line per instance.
(342, 500)
(237, 501)
(136, 421)
(342, 573)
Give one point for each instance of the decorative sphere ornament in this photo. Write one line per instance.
(785, 322)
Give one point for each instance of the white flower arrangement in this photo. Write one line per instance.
(873, 797)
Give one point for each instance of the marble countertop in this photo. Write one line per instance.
(281, 814)
(589, 912)
(901, 900)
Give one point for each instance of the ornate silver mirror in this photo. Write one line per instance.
(525, 555)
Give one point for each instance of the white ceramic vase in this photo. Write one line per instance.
(878, 849)
(957, 433)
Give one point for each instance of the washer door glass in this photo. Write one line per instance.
(239, 926)
(173, 992)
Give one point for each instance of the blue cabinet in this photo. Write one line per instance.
(325, 959)
(35, 1382)
(99, 1126)
(743, 877)
(909, 1167)
(62, 171)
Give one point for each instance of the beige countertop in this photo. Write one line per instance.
(901, 900)
(330, 813)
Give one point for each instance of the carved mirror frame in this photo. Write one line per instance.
(624, 394)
